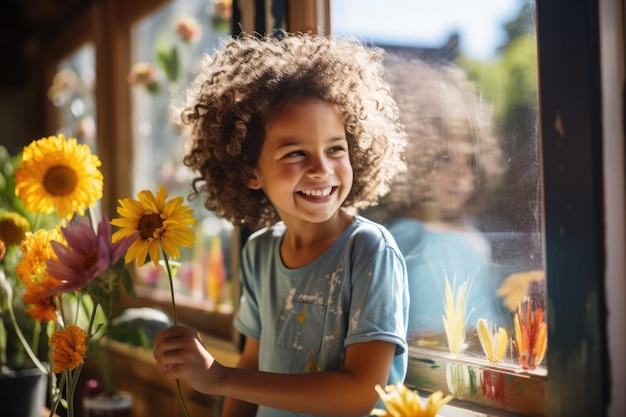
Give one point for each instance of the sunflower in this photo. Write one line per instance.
(68, 347)
(13, 228)
(156, 223)
(60, 174)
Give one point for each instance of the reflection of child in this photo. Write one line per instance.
(453, 160)
(294, 134)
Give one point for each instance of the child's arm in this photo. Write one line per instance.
(249, 360)
(349, 392)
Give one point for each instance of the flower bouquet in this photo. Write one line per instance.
(67, 274)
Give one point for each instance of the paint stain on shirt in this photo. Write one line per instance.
(302, 317)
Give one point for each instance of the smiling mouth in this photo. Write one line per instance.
(318, 193)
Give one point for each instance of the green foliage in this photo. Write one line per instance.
(8, 199)
(169, 62)
(510, 83)
(106, 289)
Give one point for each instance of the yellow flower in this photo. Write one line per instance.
(13, 228)
(68, 347)
(400, 401)
(517, 286)
(156, 223)
(60, 174)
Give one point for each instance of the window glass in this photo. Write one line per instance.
(166, 49)
(467, 212)
(72, 92)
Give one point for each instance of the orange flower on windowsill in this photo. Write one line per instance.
(531, 334)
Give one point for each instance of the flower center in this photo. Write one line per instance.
(60, 180)
(149, 224)
(90, 260)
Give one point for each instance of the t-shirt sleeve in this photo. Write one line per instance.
(247, 320)
(379, 308)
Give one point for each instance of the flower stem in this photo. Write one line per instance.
(171, 280)
(169, 275)
(9, 291)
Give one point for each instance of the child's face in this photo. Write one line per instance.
(453, 178)
(304, 167)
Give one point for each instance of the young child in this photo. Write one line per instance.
(454, 164)
(294, 134)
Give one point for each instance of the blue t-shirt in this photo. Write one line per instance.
(433, 256)
(304, 318)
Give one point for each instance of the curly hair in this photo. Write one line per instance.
(438, 105)
(243, 82)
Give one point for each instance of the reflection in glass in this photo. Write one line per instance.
(466, 214)
(166, 49)
(72, 92)
(455, 163)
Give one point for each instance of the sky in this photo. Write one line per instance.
(427, 23)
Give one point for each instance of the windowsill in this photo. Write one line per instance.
(134, 370)
(207, 318)
(509, 367)
(479, 387)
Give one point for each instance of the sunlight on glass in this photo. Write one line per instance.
(166, 50)
(467, 213)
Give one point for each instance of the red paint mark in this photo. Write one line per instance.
(493, 385)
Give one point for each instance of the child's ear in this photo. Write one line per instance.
(253, 182)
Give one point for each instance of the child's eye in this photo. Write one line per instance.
(337, 148)
(441, 160)
(294, 154)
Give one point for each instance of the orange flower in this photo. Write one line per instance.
(68, 347)
(37, 249)
(41, 307)
(32, 272)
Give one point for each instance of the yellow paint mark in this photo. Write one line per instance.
(302, 317)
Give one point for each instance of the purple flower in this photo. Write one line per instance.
(86, 256)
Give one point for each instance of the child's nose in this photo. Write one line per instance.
(319, 167)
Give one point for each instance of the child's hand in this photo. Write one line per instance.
(180, 354)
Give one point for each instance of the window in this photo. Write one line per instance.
(467, 215)
(565, 233)
(72, 92)
(166, 49)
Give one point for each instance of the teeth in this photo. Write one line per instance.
(317, 193)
